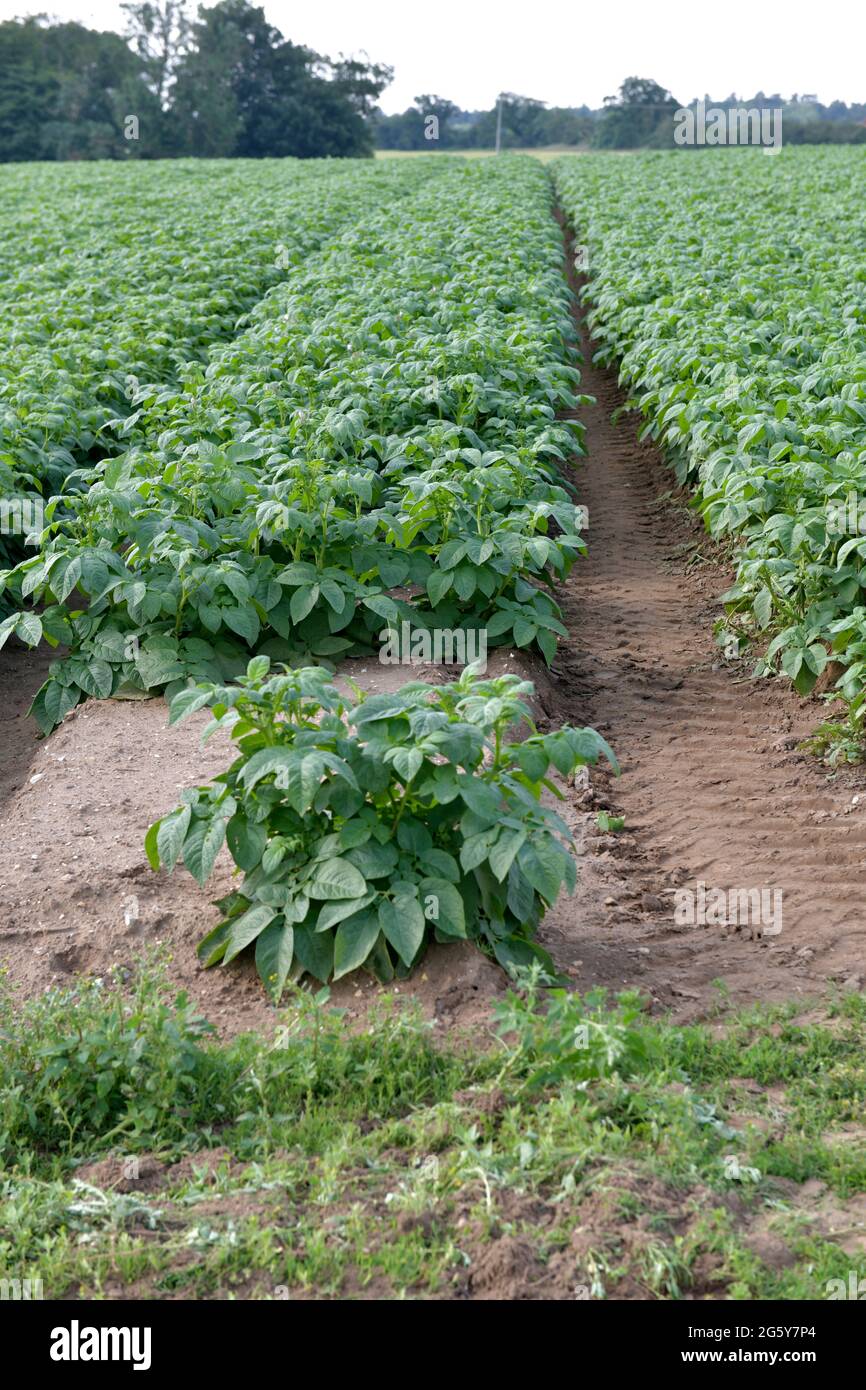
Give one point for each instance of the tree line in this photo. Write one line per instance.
(225, 84)
(435, 122)
(228, 84)
(640, 115)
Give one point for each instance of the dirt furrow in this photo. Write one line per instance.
(713, 787)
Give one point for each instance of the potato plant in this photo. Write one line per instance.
(362, 831)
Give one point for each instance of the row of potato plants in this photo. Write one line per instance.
(730, 289)
(119, 276)
(381, 443)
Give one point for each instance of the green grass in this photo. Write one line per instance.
(632, 1160)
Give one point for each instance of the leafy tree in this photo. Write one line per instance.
(227, 84)
(440, 107)
(159, 31)
(640, 114)
(242, 89)
(407, 131)
(28, 89)
(525, 123)
(522, 119)
(65, 93)
(361, 83)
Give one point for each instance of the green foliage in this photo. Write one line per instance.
(421, 1156)
(226, 85)
(839, 740)
(525, 124)
(243, 90)
(116, 283)
(65, 91)
(640, 114)
(362, 833)
(95, 1062)
(295, 498)
(553, 1036)
(731, 292)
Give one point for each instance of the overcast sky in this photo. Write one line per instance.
(568, 53)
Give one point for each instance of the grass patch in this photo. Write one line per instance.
(581, 1150)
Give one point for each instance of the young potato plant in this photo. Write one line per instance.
(364, 831)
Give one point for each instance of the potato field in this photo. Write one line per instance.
(433, 611)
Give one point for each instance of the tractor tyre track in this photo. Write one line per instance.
(713, 785)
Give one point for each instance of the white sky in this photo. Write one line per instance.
(568, 53)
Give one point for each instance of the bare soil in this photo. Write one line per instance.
(713, 788)
(504, 1257)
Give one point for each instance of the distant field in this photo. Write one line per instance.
(545, 154)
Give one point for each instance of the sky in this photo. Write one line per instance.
(567, 54)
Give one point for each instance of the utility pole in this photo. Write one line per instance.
(499, 124)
